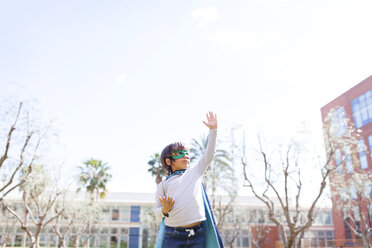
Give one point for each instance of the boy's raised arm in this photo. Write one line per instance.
(211, 120)
(208, 155)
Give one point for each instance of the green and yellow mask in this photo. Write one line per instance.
(179, 153)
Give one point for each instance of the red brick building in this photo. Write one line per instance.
(355, 105)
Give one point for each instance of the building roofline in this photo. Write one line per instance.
(343, 95)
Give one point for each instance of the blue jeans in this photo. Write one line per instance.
(179, 237)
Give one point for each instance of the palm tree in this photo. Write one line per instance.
(94, 176)
(219, 169)
(156, 168)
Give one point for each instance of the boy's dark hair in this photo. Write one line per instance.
(166, 153)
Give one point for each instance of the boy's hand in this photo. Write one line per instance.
(167, 203)
(212, 120)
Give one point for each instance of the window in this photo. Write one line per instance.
(18, 240)
(135, 213)
(343, 194)
(362, 109)
(323, 218)
(338, 159)
(319, 238)
(362, 154)
(353, 193)
(114, 241)
(260, 216)
(338, 122)
(357, 226)
(348, 162)
(252, 216)
(329, 234)
(368, 190)
(356, 214)
(347, 229)
(125, 213)
(114, 214)
(105, 213)
(370, 144)
(123, 243)
(103, 241)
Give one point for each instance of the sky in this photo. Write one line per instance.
(122, 78)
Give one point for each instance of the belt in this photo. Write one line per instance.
(190, 230)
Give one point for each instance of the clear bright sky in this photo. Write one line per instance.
(124, 78)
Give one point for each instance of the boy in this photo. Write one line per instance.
(179, 198)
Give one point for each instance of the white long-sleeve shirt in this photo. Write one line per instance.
(186, 190)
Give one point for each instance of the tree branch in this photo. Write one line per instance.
(23, 226)
(20, 163)
(12, 128)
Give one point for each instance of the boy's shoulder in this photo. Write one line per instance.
(161, 185)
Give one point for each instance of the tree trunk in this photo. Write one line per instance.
(283, 235)
(88, 235)
(366, 242)
(35, 242)
(61, 239)
(5, 237)
(24, 239)
(87, 243)
(61, 242)
(256, 244)
(299, 239)
(291, 242)
(76, 241)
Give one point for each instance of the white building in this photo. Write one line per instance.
(127, 221)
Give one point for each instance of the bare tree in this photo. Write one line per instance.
(40, 204)
(67, 218)
(231, 225)
(8, 229)
(152, 224)
(22, 139)
(352, 200)
(281, 184)
(81, 219)
(231, 235)
(61, 227)
(92, 218)
(258, 233)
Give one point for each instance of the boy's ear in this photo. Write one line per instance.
(168, 161)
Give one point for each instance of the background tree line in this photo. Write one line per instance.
(44, 202)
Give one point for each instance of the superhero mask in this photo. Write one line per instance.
(179, 153)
